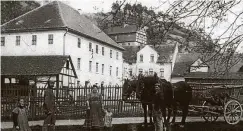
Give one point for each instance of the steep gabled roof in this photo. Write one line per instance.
(57, 15)
(183, 63)
(185, 60)
(121, 29)
(33, 65)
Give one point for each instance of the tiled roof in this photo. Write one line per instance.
(121, 29)
(32, 65)
(183, 62)
(57, 15)
(212, 75)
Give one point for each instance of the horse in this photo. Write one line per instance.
(171, 96)
(144, 96)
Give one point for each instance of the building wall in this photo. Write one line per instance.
(26, 48)
(163, 70)
(85, 55)
(198, 66)
(71, 48)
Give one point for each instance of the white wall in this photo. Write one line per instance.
(147, 64)
(86, 56)
(26, 48)
(198, 66)
(71, 48)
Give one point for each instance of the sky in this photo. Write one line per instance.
(93, 6)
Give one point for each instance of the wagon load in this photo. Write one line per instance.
(220, 100)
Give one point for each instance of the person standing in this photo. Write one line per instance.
(20, 117)
(49, 108)
(108, 120)
(158, 122)
(95, 109)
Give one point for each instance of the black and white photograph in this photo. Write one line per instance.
(121, 65)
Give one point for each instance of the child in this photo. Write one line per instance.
(108, 120)
(20, 117)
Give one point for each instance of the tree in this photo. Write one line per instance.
(195, 22)
(13, 9)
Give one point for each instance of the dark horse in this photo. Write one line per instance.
(145, 96)
(169, 97)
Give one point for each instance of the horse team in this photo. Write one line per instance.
(160, 95)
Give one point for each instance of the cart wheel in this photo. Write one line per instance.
(232, 112)
(209, 117)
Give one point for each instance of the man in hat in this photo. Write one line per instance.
(49, 108)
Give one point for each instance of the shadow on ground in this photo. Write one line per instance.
(191, 126)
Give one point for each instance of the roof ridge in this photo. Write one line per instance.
(24, 14)
(60, 12)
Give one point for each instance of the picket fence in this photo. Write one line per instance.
(70, 102)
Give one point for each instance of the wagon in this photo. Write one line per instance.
(221, 101)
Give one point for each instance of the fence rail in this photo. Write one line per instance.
(71, 102)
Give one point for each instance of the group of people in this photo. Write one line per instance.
(97, 117)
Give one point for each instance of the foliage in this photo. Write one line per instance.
(194, 24)
(13, 9)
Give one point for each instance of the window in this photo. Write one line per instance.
(103, 51)
(110, 53)
(34, 39)
(97, 67)
(78, 83)
(117, 55)
(17, 40)
(97, 49)
(50, 39)
(128, 43)
(152, 58)
(130, 72)
(90, 66)
(162, 72)
(79, 43)
(103, 67)
(90, 46)
(141, 58)
(151, 71)
(116, 71)
(78, 63)
(110, 70)
(140, 71)
(2, 41)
